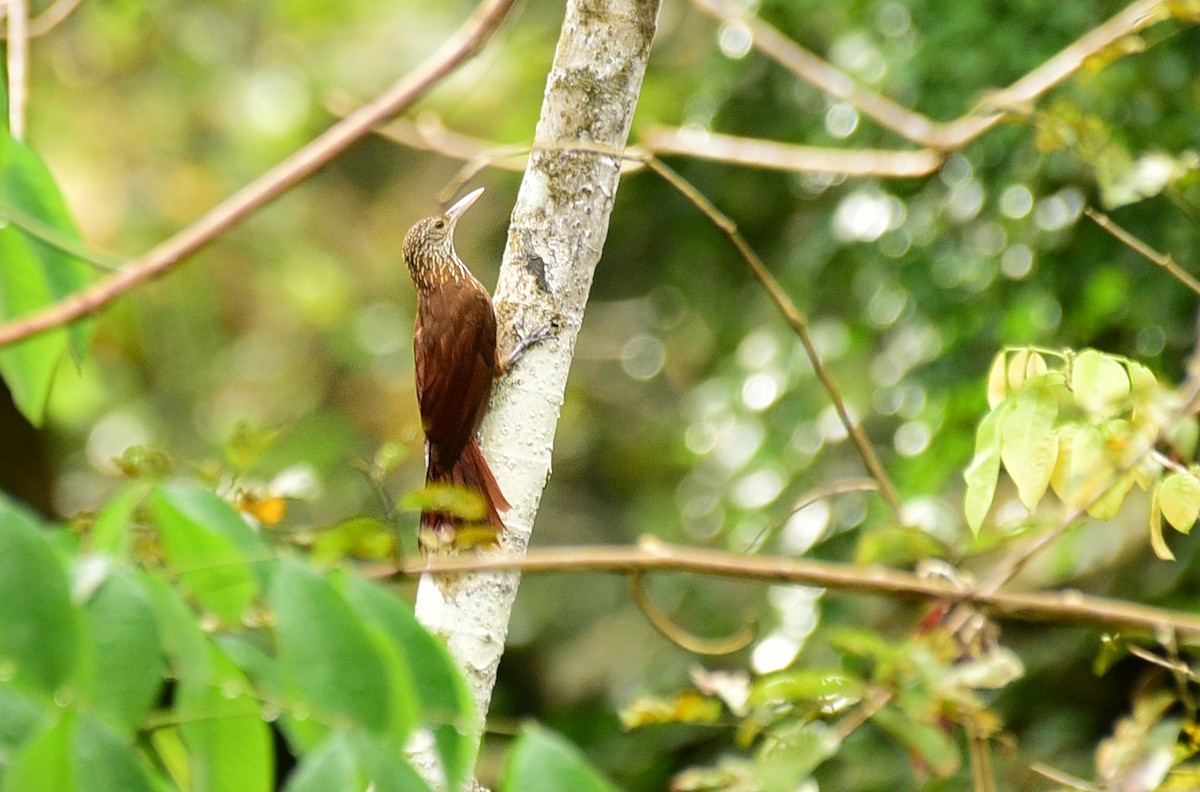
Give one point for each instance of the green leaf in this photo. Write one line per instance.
(39, 626)
(1179, 499)
(805, 684)
(35, 274)
(110, 531)
(364, 538)
(1100, 382)
(329, 768)
(461, 502)
(328, 656)
(127, 666)
(541, 761)
(229, 745)
(20, 718)
(185, 645)
(204, 544)
(930, 744)
(44, 763)
(984, 471)
(104, 763)
(446, 706)
(1028, 445)
(385, 766)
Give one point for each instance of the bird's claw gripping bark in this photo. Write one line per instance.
(543, 333)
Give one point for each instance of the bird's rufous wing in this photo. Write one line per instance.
(455, 356)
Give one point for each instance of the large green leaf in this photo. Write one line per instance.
(229, 745)
(127, 664)
(34, 274)
(445, 702)
(39, 626)
(541, 761)
(330, 660)
(331, 767)
(20, 718)
(105, 763)
(44, 763)
(211, 548)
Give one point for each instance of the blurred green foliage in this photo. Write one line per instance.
(275, 367)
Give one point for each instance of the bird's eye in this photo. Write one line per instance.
(439, 225)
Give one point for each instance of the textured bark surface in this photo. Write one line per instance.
(558, 228)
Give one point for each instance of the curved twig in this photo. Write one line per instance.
(320, 152)
(685, 640)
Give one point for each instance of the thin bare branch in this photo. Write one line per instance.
(334, 141)
(46, 21)
(18, 65)
(1163, 260)
(653, 555)
(796, 320)
(769, 154)
(681, 637)
(918, 128)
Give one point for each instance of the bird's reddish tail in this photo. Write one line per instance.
(439, 529)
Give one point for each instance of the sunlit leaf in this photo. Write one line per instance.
(1157, 542)
(1082, 466)
(984, 471)
(363, 538)
(997, 381)
(35, 274)
(1028, 444)
(447, 499)
(1179, 499)
(1100, 383)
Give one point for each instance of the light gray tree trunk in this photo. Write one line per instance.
(557, 231)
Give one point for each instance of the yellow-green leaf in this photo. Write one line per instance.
(1028, 444)
(997, 383)
(1100, 382)
(1016, 368)
(1142, 381)
(983, 471)
(1157, 543)
(1179, 499)
(1107, 505)
(1082, 467)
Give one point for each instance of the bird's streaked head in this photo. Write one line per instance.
(430, 242)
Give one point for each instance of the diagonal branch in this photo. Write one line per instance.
(468, 40)
(797, 321)
(914, 126)
(1063, 607)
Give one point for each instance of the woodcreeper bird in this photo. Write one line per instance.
(454, 347)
